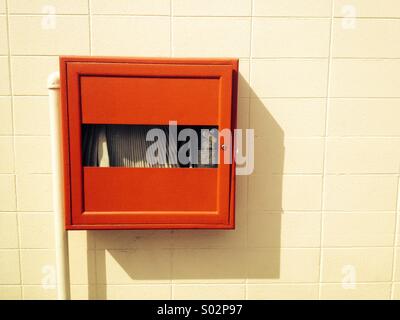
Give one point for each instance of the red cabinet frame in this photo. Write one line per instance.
(101, 90)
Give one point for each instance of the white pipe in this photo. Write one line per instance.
(61, 236)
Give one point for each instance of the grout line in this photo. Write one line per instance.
(14, 154)
(288, 17)
(324, 166)
(124, 15)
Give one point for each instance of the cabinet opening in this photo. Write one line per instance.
(149, 146)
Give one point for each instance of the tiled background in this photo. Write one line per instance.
(316, 219)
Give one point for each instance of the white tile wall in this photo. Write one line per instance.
(211, 8)
(289, 78)
(205, 37)
(364, 117)
(371, 38)
(30, 74)
(360, 192)
(322, 206)
(3, 36)
(370, 8)
(49, 35)
(130, 35)
(2, 6)
(288, 37)
(365, 78)
(4, 76)
(6, 123)
(314, 8)
(48, 6)
(137, 7)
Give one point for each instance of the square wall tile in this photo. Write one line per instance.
(115, 267)
(32, 155)
(7, 155)
(208, 266)
(306, 8)
(7, 192)
(6, 117)
(370, 8)
(211, 37)
(241, 192)
(289, 192)
(211, 8)
(35, 292)
(198, 239)
(363, 155)
(83, 292)
(48, 6)
(396, 291)
(34, 192)
(289, 37)
(351, 229)
(279, 118)
(360, 291)
(3, 6)
(49, 35)
(243, 114)
(4, 77)
(30, 74)
(137, 7)
(370, 38)
(360, 193)
(10, 271)
(10, 292)
(38, 268)
(396, 265)
(81, 239)
(298, 155)
(31, 115)
(352, 265)
(287, 230)
(8, 230)
(130, 35)
(282, 265)
(131, 239)
(209, 292)
(134, 292)
(282, 291)
(365, 78)
(364, 117)
(37, 231)
(398, 227)
(3, 36)
(289, 78)
(82, 266)
(244, 78)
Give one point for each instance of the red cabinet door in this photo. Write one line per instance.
(147, 92)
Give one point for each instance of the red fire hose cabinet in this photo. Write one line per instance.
(145, 142)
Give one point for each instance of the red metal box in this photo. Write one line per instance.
(147, 92)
